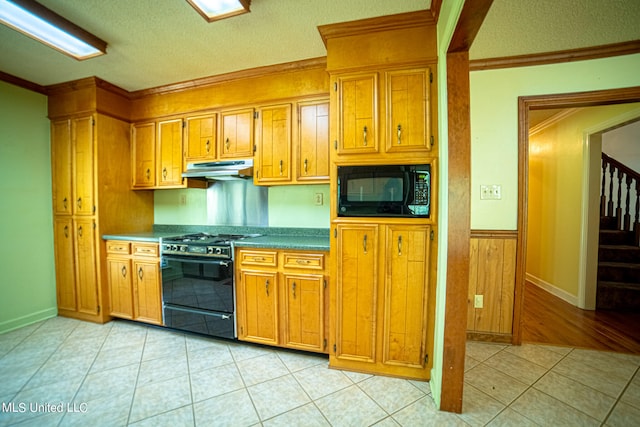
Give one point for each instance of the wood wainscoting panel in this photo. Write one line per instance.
(492, 269)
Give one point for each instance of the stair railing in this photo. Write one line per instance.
(612, 204)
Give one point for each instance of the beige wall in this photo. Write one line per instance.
(557, 156)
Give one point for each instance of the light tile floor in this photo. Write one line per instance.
(66, 372)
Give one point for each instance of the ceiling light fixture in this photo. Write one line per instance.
(42, 24)
(214, 10)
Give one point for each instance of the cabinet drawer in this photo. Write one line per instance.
(309, 261)
(263, 258)
(118, 247)
(145, 249)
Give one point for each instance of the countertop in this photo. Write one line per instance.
(316, 239)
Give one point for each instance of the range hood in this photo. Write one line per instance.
(220, 171)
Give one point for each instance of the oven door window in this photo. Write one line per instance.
(199, 284)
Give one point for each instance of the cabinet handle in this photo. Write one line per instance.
(66, 231)
(80, 231)
(399, 134)
(148, 174)
(79, 203)
(306, 164)
(293, 289)
(364, 135)
(364, 243)
(226, 144)
(280, 167)
(303, 261)
(266, 286)
(64, 203)
(140, 274)
(258, 258)
(208, 145)
(124, 271)
(164, 173)
(399, 245)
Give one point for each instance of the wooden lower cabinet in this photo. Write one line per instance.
(381, 304)
(76, 266)
(134, 281)
(281, 298)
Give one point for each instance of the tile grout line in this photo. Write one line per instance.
(617, 401)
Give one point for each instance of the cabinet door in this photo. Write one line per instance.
(169, 149)
(86, 265)
(147, 300)
(237, 133)
(120, 287)
(61, 166)
(258, 307)
(358, 114)
(304, 311)
(274, 144)
(143, 152)
(65, 265)
(356, 293)
(200, 143)
(408, 115)
(313, 141)
(83, 166)
(405, 295)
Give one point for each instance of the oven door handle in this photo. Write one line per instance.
(224, 263)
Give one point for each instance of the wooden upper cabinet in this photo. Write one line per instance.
(200, 141)
(236, 133)
(83, 165)
(313, 141)
(405, 295)
(357, 113)
(61, 153)
(143, 152)
(169, 149)
(273, 146)
(408, 110)
(72, 145)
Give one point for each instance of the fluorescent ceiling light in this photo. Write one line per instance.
(213, 10)
(40, 23)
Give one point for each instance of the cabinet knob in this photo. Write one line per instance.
(124, 271)
(208, 145)
(64, 203)
(164, 173)
(280, 167)
(140, 273)
(364, 243)
(399, 134)
(226, 144)
(66, 231)
(364, 136)
(399, 245)
(148, 174)
(80, 231)
(79, 203)
(266, 286)
(293, 289)
(306, 164)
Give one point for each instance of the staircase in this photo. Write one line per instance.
(619, 250)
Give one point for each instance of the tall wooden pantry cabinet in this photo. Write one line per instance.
(92, 196)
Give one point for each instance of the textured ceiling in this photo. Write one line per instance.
(172, 43)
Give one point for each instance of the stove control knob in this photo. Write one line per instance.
(183, 248)
(209, 250)
(174, 247)
(218, 251)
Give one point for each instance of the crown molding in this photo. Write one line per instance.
(557, 57)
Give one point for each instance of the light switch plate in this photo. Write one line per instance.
(478, 301)
(491, 192)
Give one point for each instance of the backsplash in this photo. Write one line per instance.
(288, 206)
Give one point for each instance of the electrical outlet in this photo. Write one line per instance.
(478, 302)
(318, 199)
(490, 192)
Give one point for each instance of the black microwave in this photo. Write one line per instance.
(385, 191)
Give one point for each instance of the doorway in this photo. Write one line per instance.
(525, 106)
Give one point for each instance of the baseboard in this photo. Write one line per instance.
(553, 290)
(10, 325)
(489, 337)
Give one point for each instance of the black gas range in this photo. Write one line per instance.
(198, 291)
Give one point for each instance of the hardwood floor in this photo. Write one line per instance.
(548, 319)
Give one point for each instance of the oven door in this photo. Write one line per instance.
(198, 295)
